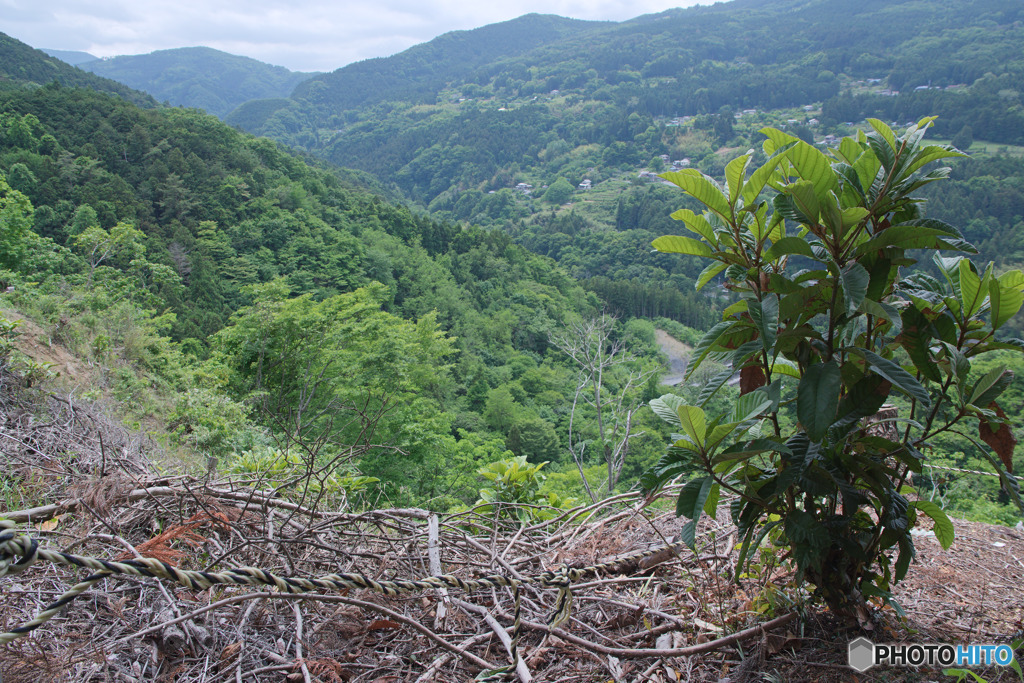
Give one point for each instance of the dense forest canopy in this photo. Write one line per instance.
(20, 65)
(159, 241)
(482, 137)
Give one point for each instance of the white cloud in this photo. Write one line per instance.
(303, 35)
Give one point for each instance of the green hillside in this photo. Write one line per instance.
(416, 74)
(199, 77)
(480, 136)
(239, 298)
(164, 247)
(21, 64)
(273, 336)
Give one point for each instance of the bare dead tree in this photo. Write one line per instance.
(600, 358)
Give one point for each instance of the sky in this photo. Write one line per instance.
(302, 35)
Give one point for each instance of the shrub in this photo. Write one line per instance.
(831, 322)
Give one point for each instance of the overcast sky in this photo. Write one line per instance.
(304, 35)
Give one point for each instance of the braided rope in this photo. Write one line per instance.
(18, 552)
(957, 469)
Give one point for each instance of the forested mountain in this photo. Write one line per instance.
(687, 62)
(21, 64)
(167, 247)
(250, 302)
(483, 137)
(199, 77)
(72, 57)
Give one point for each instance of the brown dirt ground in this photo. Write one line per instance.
(36, 343)
(971, 593)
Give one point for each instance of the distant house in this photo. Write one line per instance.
(586, 184)
(525, 188)
(813, 122)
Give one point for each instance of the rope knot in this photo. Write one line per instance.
(14, 545)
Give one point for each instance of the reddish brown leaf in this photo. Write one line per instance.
(751, 377)
(1001, 439)
(382, 624)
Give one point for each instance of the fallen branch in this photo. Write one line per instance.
(638, 653)
(320, 597)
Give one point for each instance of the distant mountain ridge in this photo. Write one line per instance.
(72, 57)
(418, 72)
(21, 63)
(199, 77)
(483, 103)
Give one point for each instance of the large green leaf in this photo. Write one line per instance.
(1004, 302)
(855, 280)
(690, 504)
(818, 398)
(990, 386)
(703, 347)
(702, 188)
(716, 382)
(895, 374)
(804, 197)
(913, 237)
(674, 244)
(1012, 278)
(776, 140)
(783, 366)
(667, 408)
(813, 166)
(758, 179)
(864, 398)
(750, 406)
(697, 224)
(765, 314)
(708, 273)
(884, 311)
(929, 154)
(850, 179)
(748, 449)
(789, 245)
(943, 526)
(885, 132)
(972, 294)
(693, 423)
(807, 535)
(787, 207)
(916, 341)
(735, 173)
